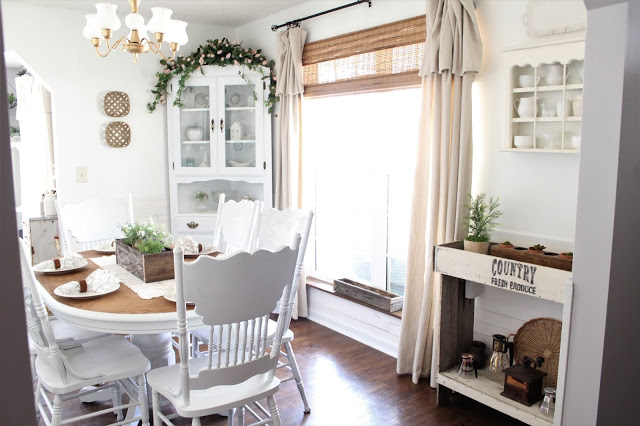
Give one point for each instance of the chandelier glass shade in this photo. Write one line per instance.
(101, 26)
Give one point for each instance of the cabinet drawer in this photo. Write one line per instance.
(194, 224)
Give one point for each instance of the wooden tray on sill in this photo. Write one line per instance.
(369, 295)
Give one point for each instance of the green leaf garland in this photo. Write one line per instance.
(215, 52)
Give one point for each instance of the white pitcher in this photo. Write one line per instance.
(525, 107)
(555, 74)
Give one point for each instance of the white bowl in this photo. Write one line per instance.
(195, 133)
(526, 80)
(523, 141)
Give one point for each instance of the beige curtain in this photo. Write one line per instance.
(287, 149)
(453, 53)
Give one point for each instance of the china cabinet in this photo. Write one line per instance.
(543, 97)
(219, 141)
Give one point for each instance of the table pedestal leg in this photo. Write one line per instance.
(156, 347)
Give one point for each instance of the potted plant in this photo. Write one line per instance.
(568, 255)
(506, 244)
(200, 201)
(482, 219)
(143, 251)
(12, 100)
(14, 132)
(538, 248)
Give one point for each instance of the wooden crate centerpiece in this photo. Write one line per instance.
(147, 267)
(370, 295)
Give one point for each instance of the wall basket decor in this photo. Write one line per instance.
(116, 104)
(118, 134)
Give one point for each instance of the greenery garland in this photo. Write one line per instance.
(215, 52)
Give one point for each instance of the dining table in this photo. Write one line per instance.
(149, 322)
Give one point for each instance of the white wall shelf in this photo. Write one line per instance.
(541, 150)
(559, 124)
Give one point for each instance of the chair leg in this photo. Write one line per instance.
(296, 374)
(241, 416)
(56, 415)
(195, 421)
(273, 407)
(155, 398)
(143, 399)
(37, 399)
(195, 346)
(117, 401)
(231, 413)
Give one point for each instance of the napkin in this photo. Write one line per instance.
(189, 246)
(70, 260)
(99, 281)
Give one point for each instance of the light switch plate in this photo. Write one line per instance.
(81, 174)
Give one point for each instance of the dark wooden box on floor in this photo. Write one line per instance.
(147, 267)
(369, 295)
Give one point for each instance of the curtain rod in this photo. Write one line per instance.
(296, 22)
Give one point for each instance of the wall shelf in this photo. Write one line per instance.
(541, 150)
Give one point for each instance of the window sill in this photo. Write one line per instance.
(328, 288)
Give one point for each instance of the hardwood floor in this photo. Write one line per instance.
(348, 383)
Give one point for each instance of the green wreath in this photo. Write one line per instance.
(215, 52)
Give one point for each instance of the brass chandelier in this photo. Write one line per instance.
(102, 24)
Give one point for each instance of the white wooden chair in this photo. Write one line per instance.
(92, 222)
(64, 371)
(235, 296)
(236, 223)
(278, 228)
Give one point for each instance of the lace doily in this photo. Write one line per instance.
(139, 287)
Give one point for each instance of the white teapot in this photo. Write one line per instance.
(525, 107)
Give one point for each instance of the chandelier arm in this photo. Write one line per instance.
(117, 43)
(105, 54)
(156, 49)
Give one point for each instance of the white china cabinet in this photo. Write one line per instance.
(219, 142)
(543, 97)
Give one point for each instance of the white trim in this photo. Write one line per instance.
(368, 326)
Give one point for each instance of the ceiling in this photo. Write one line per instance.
(231, 13)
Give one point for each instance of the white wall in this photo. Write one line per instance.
(50, 42)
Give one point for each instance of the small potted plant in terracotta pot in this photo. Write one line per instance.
(506, 244)
(482, 219)
(538, 249)
(568, 255)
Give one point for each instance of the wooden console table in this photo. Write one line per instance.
(455, 329)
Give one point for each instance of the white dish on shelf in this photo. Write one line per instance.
(239, 164)
(523, 141)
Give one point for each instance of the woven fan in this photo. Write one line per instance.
(540, 337)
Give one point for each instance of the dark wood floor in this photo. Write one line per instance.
(348, 383)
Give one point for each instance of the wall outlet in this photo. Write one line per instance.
(81, 174)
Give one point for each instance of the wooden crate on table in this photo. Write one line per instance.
(147, 267)
(370, 295)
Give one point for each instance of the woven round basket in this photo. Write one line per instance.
(540, 337)
(118, 134)
(116, 104)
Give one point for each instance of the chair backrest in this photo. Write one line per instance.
(38, 326)
(234, 295)
(92, 222)
(280, 227)
(236, 223)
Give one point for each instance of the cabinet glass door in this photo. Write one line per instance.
(240, 147)
(195, 150)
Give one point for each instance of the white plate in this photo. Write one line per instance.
(106, 249)
(38, 268)
(170, 297)
(85, 295)
(205, 250)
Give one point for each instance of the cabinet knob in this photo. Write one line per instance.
(192, 225)
(221, 125)
(213, 124)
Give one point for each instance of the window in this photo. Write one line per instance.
(360, 123)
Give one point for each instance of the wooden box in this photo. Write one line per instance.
(369, 295)
(147, 267)
(549, 259)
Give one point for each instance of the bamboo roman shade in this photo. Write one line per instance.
(379, 58)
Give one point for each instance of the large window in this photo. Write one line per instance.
(360, 123)
(360, 153)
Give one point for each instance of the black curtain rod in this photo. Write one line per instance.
(296, 22)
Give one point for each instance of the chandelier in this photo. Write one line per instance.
(102, 24)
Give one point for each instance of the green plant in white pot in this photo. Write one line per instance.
(482, 219)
